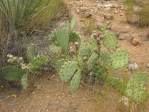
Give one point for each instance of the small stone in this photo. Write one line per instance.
(78, 11)
(115, 12)
(116, 27)
(123, 36)
(108, 16)
(13, 96)
(147, 36)
(135, 41)
(133, 66)
(147, 65)
(38, 87)
(123, 105)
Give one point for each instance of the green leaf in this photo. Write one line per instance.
(110, 40)
(38, 62)
(103, 28)
(31, 51)
(84, 50)
(12, 73)
(105, 59)
(68, 70)
(116, 83)
(92, 60)
(62, 37)
(55, 51)
(74, 37)
(58, 63)
(119, 59)
(136, 89)
(92, 44)
(24, 81)
(75, 82)
(73, 23)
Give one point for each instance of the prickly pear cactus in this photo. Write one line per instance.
(119, 59)
(136, 89)
(92, 60)
(67, 70)
(75, 82)
(110, 40)
(11, 73)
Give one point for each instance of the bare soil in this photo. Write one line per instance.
(49, 94)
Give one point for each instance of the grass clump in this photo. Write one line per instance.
(137, 12)
(17, 14)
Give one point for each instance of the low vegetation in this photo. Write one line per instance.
(19, 18)
(138, 12)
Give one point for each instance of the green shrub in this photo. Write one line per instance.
(18, 70)
(37, 62)
(117, 84)
(14, 73)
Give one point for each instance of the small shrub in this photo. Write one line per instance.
(37, 62)
(12, 73)
(18, 70)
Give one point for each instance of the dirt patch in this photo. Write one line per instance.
(51, 95)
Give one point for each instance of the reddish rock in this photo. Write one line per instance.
(135, 41)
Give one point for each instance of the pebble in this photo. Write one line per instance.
(147, 65)
(133, 66)
(123, 36)
(135, 41)
(108, 16)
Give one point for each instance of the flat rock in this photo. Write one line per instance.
(124, 36)
(120, 28)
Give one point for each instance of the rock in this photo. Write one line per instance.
(133, 66)
(87, 15)
(78, 11)
(123, 105)
(147, 36)
(135, 41)
(85, 12)
(116, 12)
(123, 36)
(39, 87)
(147, 65)
(120, 28)
(108, 16)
